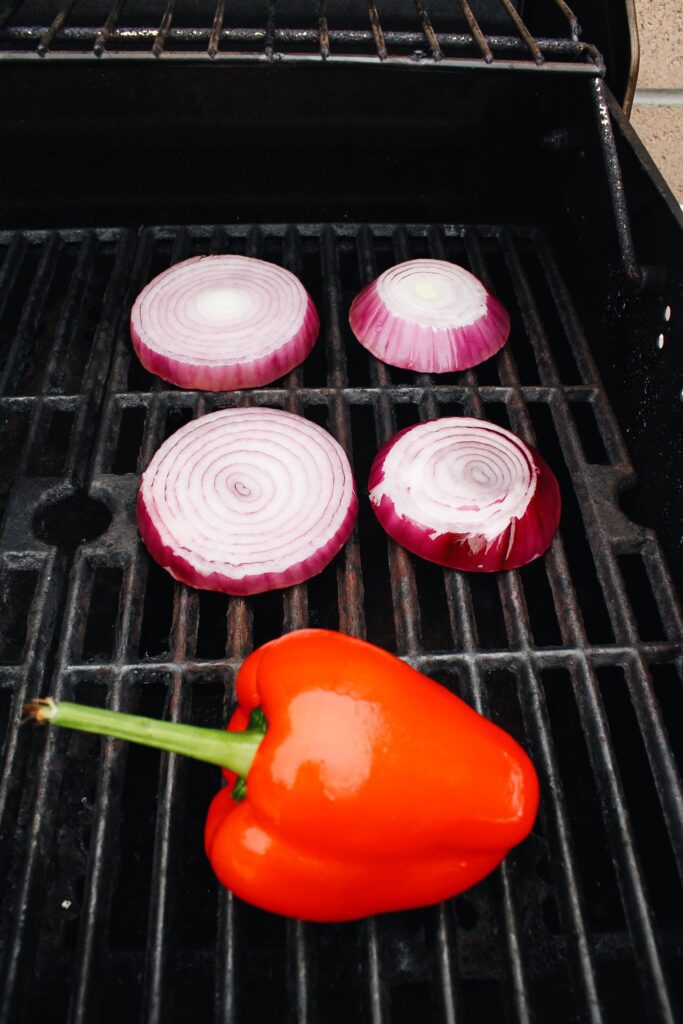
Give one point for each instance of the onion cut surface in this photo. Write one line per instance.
(217, 323)
(466, 494)
(247, 500)
(430, 316)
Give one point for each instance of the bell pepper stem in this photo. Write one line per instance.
(232, 750)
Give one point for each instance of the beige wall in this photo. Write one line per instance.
(658, 108)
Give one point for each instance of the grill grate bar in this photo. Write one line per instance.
(377, 33)
(214, 39)
(109, 27)
(572, 20)
(270, 30)
(376, 993)
(523, 31)
(543, 657)
(476, 31)
(323, 30)
(432, 41)
(9, 12)
(164, 28)
(55, 28)
(445, 942)
(79, 35)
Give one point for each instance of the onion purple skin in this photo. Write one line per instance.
(410, 346)
(231, 377)
(185, 572)
(533, 533)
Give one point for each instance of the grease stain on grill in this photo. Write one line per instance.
(71, 521)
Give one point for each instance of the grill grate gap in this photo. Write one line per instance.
(579, 555)
(658, 863)
(641, 597)
(668, 688)
(589, 433)
(13, 432)
(103, 625)
(17, 590)
(49, 457)
(131, 430)
(602, 904)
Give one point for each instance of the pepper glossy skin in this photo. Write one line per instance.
(374, 788)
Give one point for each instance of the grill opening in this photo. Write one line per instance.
(101, 843)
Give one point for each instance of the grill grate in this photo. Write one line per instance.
(453, 35)
(109, 906)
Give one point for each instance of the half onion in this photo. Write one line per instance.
(430, 316)
(247, 500)
(466, 494)
(217, 323)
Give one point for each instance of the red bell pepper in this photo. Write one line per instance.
(369, 787)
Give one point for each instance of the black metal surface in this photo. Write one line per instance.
(108, 907)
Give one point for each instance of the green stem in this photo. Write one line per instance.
(232, 750)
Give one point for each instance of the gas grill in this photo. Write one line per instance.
(337, 139)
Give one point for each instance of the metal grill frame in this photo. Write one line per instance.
(270, 43)
(59, 610)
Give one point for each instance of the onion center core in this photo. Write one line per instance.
(426, 289)
(222, 305)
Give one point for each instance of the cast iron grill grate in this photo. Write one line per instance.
(494, 33)
(108, 907)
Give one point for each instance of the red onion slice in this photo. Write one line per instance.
(247, 500)
(430, 316)
(217, 323)
(466, 494)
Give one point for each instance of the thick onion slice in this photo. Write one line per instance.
(466, 494)
(430, 316)
(217, 323)
(247, 500)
